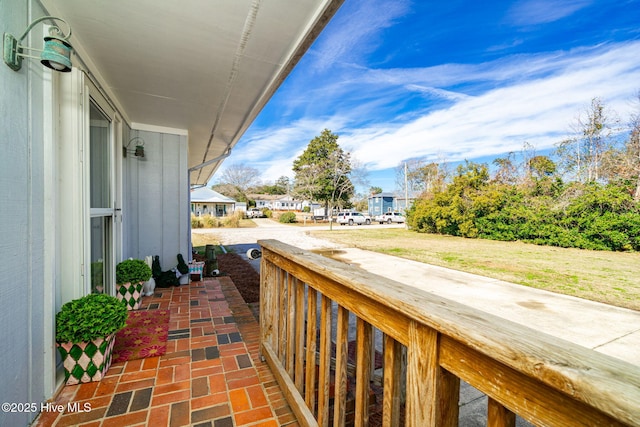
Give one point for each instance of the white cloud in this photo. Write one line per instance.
(533, 98)
(533, 12)
(538, 111)
(354, 37)
(449, 112)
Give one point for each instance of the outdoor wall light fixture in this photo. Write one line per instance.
(138, 151)
(57, 49)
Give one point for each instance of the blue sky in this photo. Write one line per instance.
(448, 81)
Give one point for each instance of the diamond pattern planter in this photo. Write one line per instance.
(86, 362)
(131, 293)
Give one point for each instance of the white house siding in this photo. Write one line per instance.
(23, 284)
(155, 213)
(43, 210)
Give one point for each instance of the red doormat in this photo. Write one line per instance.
(145, 335)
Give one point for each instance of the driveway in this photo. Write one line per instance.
(269, 229)
(240, 240)
(616, 332)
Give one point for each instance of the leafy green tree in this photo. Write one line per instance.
(322, 172)
(281, 186)
(453, 209)
(375, 190)
(541, 166)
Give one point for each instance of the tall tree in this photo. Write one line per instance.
(583, 154)
(421, 176)
(283, 183)
(507, 169)
(241, 176)
(322, 172)
(633, 149)
(624, 164)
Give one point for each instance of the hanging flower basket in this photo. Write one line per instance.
(86, 361)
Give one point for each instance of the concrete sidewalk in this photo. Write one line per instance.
(610, 330)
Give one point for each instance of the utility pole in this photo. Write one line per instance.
(406, 189)
(406, 196)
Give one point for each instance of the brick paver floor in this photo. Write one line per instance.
(211, 374)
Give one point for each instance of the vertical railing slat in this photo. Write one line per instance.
(324, 375)
(498, 415)
(364, 338)
(281, 308)
(300, 330)
(267, 314)
(342, 348)
(312, 330)
(432, 392)
(392, 377)
(291, 326)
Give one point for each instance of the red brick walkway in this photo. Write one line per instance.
(211, 374)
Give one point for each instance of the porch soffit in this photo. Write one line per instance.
(208, 67)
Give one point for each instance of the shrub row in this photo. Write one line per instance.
(544, 212)
(208, 221)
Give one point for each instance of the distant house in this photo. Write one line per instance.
(205, 201)
(278, 202)
(387, 202)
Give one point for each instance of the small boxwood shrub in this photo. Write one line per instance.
(288, 217)
(132, 271)
(90, 317)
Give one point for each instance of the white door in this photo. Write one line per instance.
(101, 172)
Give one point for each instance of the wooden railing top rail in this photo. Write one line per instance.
(603, 382)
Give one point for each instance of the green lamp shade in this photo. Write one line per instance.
(56, 54)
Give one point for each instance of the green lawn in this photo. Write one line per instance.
(609, 277)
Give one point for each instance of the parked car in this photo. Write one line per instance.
(254, 213)
(352, 218)
(390, 217)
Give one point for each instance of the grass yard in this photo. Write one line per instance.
(608, 277)
(199, 241)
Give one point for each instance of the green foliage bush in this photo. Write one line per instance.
(132, 271)
(90, 317)
(287, 218)
(267, 213)
(544, 211)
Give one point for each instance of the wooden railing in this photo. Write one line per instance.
(306, 304)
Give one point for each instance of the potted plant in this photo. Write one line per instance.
(130, 277)
(85, 334)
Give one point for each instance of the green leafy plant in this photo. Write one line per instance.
(90, 317)
(287, 217)
(132, 271)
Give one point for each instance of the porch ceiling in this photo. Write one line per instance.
(207, 67)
